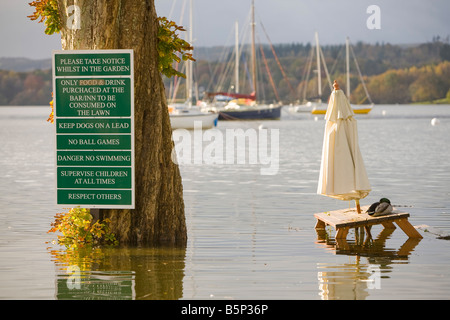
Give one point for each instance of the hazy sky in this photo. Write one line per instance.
(285, 21)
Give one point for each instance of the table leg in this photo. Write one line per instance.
(408, 228)
(367, 228)
(388, 225)
(320, 224)
(341, 233)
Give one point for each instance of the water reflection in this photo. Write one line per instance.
(373, 262)
(240, 244)
(119, 273)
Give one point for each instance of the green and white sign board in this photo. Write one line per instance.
(93, 101)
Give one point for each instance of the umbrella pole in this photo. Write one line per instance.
(358, 207)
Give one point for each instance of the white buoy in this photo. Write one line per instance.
(383, 112)
(435, 121)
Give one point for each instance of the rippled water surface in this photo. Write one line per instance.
(251, 236)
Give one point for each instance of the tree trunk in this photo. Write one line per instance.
(158, 217)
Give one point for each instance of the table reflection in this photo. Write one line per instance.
(371, 262)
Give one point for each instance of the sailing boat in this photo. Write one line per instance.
(316, 104)
(187, 116)
(358, 109)
(245, 106)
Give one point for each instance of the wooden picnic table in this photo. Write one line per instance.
(344, 219)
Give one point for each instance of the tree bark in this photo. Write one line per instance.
(158, 217)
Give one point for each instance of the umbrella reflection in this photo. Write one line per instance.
(355, 280)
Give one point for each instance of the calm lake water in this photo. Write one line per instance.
(251, 236)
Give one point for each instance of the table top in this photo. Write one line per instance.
(351, 218)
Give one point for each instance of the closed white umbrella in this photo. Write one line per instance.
(342, 172)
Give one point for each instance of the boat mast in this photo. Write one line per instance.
(253, 49)
(189, 69)
(319, 72)
(236, 86)
(347, 59)
(360, 74)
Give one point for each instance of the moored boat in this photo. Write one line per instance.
(235, 111)
(190, 118)
(357, 108)
(238, 106)
(187, 115)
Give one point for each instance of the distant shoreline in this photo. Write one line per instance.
(407, 74)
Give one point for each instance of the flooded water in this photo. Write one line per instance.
(250, 236)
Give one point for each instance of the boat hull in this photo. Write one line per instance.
(193, 121)
(356, 110)
(269, 113)
(362, 110)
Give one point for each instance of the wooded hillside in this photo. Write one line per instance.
(392, 73)
(25, 88)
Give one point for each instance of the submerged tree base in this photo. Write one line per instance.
(158, 217)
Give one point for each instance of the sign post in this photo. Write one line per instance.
(94, 119)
